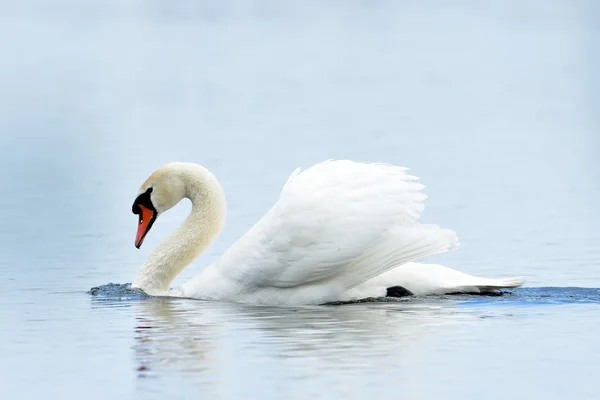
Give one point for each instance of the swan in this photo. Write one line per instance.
(340, 231)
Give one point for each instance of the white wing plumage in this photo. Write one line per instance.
(338, 221)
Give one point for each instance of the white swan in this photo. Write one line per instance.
(340, 231)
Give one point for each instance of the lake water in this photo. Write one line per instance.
(493, 104)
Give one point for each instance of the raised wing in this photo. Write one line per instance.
(338, 220)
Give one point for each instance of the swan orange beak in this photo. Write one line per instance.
(146, 219)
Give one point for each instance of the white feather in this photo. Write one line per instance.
(335, 225)
(428, 279)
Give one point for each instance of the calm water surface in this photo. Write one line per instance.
(493, 104)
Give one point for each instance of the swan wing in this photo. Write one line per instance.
(338, 221)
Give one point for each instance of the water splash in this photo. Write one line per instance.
(118, 291)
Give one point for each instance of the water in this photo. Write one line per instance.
(493, 104)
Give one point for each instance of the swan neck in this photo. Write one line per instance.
(193, 236)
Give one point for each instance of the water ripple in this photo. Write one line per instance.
(527, 295)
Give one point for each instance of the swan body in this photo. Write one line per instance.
(340, 231)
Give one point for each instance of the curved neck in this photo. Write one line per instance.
(196, 233)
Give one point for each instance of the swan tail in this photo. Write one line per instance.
(403, 245)
(493, 285)
(428, 279)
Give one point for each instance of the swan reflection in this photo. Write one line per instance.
(190, 336)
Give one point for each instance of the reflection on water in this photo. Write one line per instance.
(164, 336)
(492, 104)
(178, 338)
(383, 345)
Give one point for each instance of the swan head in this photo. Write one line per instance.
(160, 192)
